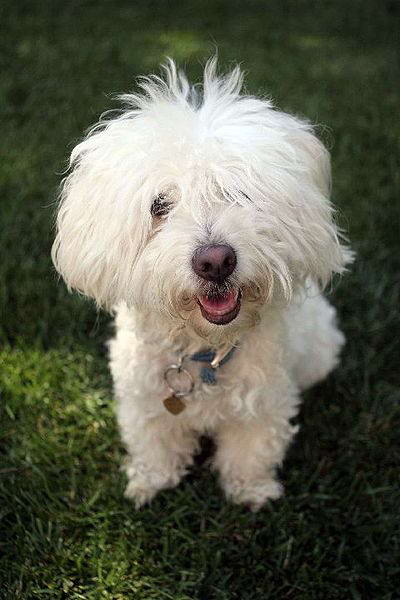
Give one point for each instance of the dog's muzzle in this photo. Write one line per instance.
(214, 263)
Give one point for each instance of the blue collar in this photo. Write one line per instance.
(208, 373)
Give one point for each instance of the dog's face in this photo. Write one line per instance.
(202, 210)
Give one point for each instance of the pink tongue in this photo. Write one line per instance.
(219, 306)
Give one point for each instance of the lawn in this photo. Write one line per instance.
(66, 530)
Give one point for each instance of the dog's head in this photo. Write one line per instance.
(200, 206)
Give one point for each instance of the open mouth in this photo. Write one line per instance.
(220, 309)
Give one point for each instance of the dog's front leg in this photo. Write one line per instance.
(160, 450)
(248, 452)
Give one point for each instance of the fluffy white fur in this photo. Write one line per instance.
(239, 172)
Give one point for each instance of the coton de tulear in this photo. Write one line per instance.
(201, 216)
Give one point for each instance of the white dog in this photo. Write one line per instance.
(203, 217)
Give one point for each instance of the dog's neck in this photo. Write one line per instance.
(156, 329)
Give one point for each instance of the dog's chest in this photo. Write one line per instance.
(185, 385)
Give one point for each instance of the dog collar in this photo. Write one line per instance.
(181, 383)
(215, 360)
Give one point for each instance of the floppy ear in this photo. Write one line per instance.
(99, 222)
(323, 252)
(104, 219)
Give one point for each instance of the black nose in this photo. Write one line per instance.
(214, 262)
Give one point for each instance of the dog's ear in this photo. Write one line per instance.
(99, 228)
(319, 247)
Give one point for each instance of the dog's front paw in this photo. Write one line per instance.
(140, 493)
(253, 494)
(144, 483)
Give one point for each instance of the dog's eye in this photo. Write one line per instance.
(161, 205)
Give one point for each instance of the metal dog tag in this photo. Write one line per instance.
(180, 383)
(174, 405)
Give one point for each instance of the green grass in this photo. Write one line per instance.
(66, 530)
